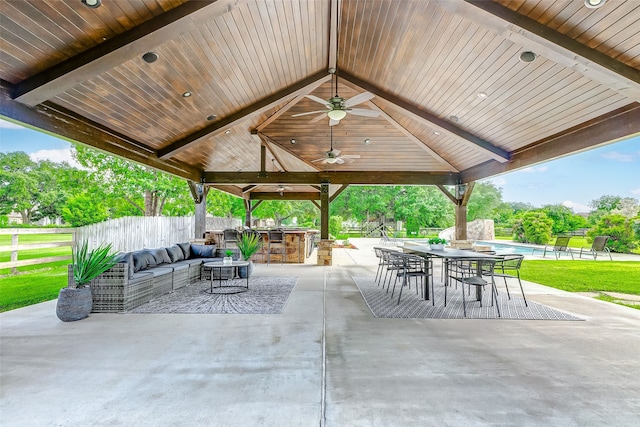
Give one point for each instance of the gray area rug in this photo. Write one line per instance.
(266, 295)
(412, 306)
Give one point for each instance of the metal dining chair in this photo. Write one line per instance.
(230, 236)
(460, 271)
(509, 267)
(417, 267)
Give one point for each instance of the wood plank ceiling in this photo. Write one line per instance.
(451, 100)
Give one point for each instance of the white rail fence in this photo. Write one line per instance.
(132, 233)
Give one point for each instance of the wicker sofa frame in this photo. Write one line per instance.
(114, 291)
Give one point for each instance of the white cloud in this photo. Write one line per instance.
(619, 157)
(56, 156)
(499, 181)
(577, 207)
(635, 191)
(9, 125)
(532, 169)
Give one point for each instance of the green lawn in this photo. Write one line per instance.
(585, 276)
(27, 239)
(41, 283)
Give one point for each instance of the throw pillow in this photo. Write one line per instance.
(175, 253)
(139, 261)
(127, 258)
(186, 249)
(202, 251)
(161, 256)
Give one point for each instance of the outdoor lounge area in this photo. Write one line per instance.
(326, 360)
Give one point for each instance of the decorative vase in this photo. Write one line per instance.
(244, 272)
(227, 260)
(437, 247)
(74, 304)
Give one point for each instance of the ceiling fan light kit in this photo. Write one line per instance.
(337, 114)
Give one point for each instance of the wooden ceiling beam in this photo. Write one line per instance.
(333, 34)
(62, 123)
(259, 107)
(269, 141)
(420, 143)
(550, 44)
(333, 177)
(620, 124)
(285, 196)
(310, 88)
(230, 189)
(112, 53)
(430, 120)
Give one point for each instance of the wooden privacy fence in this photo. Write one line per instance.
(138, 232)
(15, 246)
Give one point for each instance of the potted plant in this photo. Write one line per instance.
(74, 301)
(249, 244)
(437, 243)
(228, 259)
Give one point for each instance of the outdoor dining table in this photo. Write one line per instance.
(453, 254)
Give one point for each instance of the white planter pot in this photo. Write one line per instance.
(227, 260)
(437, 247)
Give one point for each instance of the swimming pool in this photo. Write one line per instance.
(507, 248)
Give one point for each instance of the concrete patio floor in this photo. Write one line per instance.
(325, 361)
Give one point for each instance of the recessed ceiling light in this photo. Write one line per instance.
(454, 119)
(227, 132)
(435, 132)
(150, 57)
(92, 3)
(211, 117)
(293, 141)
(482, 95)
(367, 141)
(528, 56)
(186, 94)
(594, 4)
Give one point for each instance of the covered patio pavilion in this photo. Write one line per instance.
(325, 361)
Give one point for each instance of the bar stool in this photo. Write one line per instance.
(276, 238)
(230, 236)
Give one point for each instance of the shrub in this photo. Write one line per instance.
(335, 225)
(619, 230)
(534, 227)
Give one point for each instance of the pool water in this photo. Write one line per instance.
(506, 248)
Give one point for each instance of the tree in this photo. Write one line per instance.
(277, 210)
(606, 203)
(223, 204)
(145, 189)
(30, 188)
(563, 218)
(534, 227)
(423, 206)
(620, 232)
(484, 202)
(84, 209)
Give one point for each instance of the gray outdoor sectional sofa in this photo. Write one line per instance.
(141, 275)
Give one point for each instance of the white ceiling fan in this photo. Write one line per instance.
(338, 107)
(282, 188)
(333, 156)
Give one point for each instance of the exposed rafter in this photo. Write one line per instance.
(221, 125)
(109, 54)
(551, 44)
(624, 122)
(338, 192)
(333, 34)
(412, 137)
(287, 195)
(430, 120)
(347, 177)
(63, 123)
(268, 142)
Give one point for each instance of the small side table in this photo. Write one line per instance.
(219, 265)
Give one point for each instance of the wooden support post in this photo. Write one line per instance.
(460, 200)
(324, 211)
(247, 213)
(199, 193)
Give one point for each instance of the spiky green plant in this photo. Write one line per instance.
(249, 244)
(87, 265)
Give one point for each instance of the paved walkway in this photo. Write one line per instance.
(324, 361)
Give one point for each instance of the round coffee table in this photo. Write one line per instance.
(221, 289)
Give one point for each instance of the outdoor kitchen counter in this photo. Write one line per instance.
(299, 245)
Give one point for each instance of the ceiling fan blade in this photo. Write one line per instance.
(339, 161)
(333, 122)
(319, 100)
(307, 113)
(336, 152)
(363, 112)
(319, 160)
(351, 156)
(317, 119)
(358, 99)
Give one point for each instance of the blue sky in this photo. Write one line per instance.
(574, 180)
